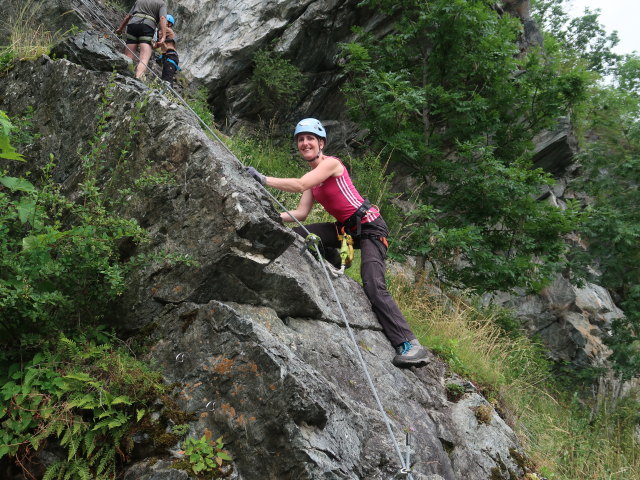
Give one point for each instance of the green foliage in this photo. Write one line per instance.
(198, 101)
(582, 37)
(276, 83)
(625, 337)
(447, 349)
(23, 128)
(7, 57)
(628, 74)
(181, 429)
(59, 260)
(500, 237)
(454, 391)
(451, 97)
(609, 253)
(204, 455)
(85, 394)
(6, 150)
(587, 442)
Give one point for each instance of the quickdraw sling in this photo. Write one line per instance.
(346, 248)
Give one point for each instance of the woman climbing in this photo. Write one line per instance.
(329, 184)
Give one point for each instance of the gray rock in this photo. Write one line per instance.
(94, 52)
(155, 470)
(555, 150)
(572, 321)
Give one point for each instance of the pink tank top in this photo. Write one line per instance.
(340, 198)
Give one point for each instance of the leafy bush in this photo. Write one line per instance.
(448, 94)
(275, 81)
(6, 149)
(6, 59)
(59, 261)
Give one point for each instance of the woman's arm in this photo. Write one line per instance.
(303, 209)
(328, 167)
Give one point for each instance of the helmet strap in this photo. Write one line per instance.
(315, 158)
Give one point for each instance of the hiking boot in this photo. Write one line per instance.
(410, 354)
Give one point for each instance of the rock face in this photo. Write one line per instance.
(249, 331)
(570, 320)
(555, 150)
(220, 39)
(90, 50)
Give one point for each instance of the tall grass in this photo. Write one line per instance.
(29, 39)
(560, 431)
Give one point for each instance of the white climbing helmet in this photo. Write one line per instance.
(310, 125)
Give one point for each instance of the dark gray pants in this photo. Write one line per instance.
(372, 270)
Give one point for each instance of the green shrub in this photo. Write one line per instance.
(59, 261)
(204, 455)
(276, 82)
(198, 101)
(7, 57)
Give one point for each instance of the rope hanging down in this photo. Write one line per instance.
(314, 242)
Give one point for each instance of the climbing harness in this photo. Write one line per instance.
(165, 58)
(143, 16)
(173, 62)
(313, 240)
(355, 220)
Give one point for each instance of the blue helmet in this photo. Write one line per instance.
(310, 125)
(171, 20)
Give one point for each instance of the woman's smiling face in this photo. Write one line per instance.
(309, 146)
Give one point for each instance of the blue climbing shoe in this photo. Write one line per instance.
(410, 354)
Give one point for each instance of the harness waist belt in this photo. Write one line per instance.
(142, 39)
(355, 220)
(142, 15)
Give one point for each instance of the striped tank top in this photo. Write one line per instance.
(340, 198)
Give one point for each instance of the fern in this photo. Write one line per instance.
(107, 461)
(90, 442)
(53, 471)
(89, 401)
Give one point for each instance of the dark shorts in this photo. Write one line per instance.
(140, 33)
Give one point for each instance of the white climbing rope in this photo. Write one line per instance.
(405, 470)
